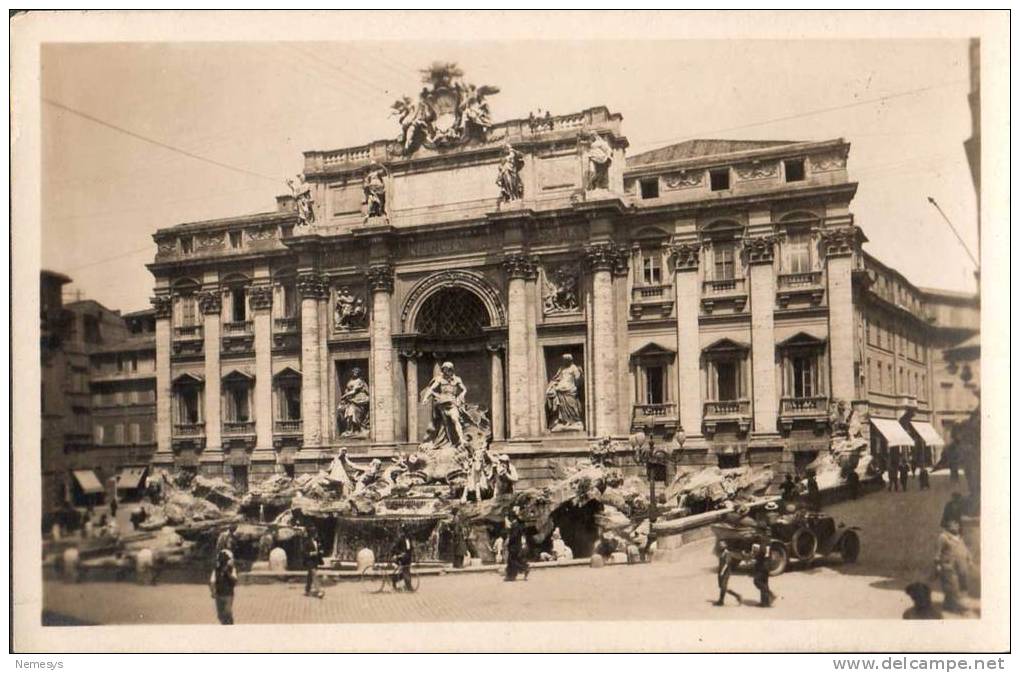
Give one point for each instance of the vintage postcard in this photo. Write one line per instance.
(509, 332)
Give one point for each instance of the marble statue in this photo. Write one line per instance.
(303, 201)
(349, 311)
(375, 192)
(509, 181)
(352, 409)
(559, 293)
(562, 397)
(446, 392)
(600, 156)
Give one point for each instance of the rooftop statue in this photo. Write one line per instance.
(303, 201)
(448, 111)
(600, 156)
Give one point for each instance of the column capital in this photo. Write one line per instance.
(209, 301)
(841, 241)
(163, 305)
(260, 297)
(684, 255)
(311, 286)
(380, 277)
(603, 257)
(760, 249)
(520, 265)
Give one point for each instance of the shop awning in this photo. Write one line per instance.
(88, 481)
(131, 477)
(892, 431)
(928, 434)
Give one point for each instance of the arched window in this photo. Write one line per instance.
(453, 313)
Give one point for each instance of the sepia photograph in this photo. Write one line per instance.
(524, 325)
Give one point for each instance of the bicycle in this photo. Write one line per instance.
(385, 572)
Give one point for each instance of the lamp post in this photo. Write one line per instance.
(654, 461)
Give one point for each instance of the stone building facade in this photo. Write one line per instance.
(710, 292)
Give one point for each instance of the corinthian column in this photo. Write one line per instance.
(260, 298)
(602, 259)
(209, 303)
(518, 268)
(311, 288)
(688, 348)
(380, 280)
(839, 246)
(765, 398)
(496, 364)
(163, 307)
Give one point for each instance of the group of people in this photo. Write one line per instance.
(729, 559)
(899, 472)
(791, 490)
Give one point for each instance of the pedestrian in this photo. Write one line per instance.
(952, 565)
(459, 539)
(953, 458)
(516, 551)
(788, 488)
(221, 586)
(953, 511)
(894, 475)
(403, 556)
(920, 593)
(313, 556)
(853, 483)
(904, 473)
(727, 561)
(226, 540)
(922, 479)
(760, 553)
(814, 495)
(113, 506)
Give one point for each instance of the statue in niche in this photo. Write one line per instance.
(303, 201)
(446, 392)
(560, 292)
(511, 186)
(352, 410)
(564, 410)
(600, 157)
(375, 192)
(349, 311)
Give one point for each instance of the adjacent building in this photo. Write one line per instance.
(713, 292)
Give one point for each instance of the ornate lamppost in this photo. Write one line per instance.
(655, 461)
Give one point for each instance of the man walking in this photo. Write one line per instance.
(221, 585)
(894, 476)
(760, 550)
(904, 474)
(727, 561)
(403, 556)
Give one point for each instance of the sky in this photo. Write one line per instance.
(254, 107)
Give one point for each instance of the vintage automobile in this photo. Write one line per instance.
(797, 535)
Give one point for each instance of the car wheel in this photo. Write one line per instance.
(850, 547)
(779, 558)
(804, 545)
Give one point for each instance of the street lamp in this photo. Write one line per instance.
(655, 461)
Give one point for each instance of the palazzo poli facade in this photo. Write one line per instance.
(708, 291)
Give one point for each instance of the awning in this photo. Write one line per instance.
(928, 433)
(88, 481)
(131, 477)
(892, 431)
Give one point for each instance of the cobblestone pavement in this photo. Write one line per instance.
(898, 544)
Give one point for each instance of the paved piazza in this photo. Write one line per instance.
(896, 550)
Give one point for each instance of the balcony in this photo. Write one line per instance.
(240, 327)
(187, 341)
(189, 429)
(238, 427)
(187, 332)
(645, 415)
(732, 291)
(289, 427)
(807, 284)
(727, 411)
(287, 325)
(654, 297)
(814, 408)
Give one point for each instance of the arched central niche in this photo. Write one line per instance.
(471, 282)
(452, 313)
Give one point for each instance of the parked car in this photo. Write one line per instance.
(800, 535)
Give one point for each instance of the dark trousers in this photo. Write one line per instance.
(311, 580)
(225, 609)
(724, 588)
(403, 572)
(516, 563)
(761, 582)
(894, 482)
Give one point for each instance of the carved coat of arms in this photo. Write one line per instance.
(448, 111)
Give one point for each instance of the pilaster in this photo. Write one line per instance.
(209, 302)
(311, 289)
(760, 252)
(164, 401)
(496, 375)
(260, 299)
(518, 267)
(601, 259)
(839, 246)
(685, 258)
(380, 280)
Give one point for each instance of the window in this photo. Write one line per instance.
(145, 433)
(891, 383)
(188, 405)
(799, 252)
(719, 179)
(288, 395)
(187, 310)
(924, 387)
(649, 188)
(902, 383)
(794, 169)
(134, 433)
(235, 239)
(118, 433)
(652, 268)
(99, 435)
(290, 301)
(238, 409)
(867, 327)
(655, 385)
(186, 245)
(878, 377)
(288, 469)
(803, 376)
(723, 254)
(726, 380)
(238, 305)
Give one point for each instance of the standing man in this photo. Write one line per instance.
(727, 561)
(922, 479)
(313, 556)
(221, 586)
(953, 510)
(516, 550)
(814, 495)
(788, 488)
(226, 541)
(403, 556)
(853, 483)
(760, 550)
(904, 474)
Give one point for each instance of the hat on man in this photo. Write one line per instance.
(503, 458)
(447, 365)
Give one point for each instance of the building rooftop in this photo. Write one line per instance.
(132, 343)
(694, 149)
